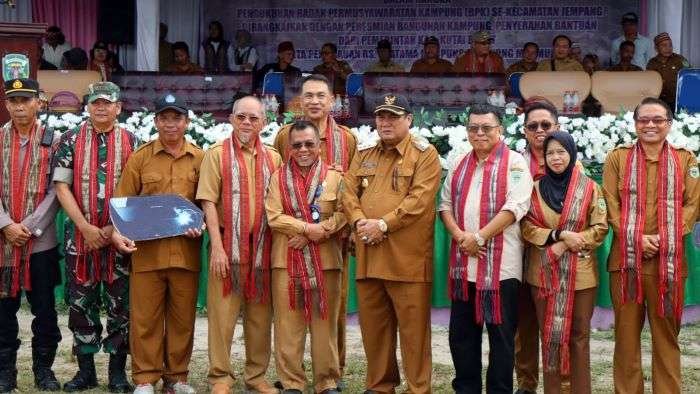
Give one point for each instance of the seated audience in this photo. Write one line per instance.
(560, 61)
(244, 57)
(479, 58)
(667, 64)
(431, 62)
(99, 60)
(285, 58)
(626, 56)
(385, 64)
(43, 63)
(55, 45)
(575, 52)
(335, 70)
(182, 63)
(591, 63)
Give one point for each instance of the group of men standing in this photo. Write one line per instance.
(281, 223)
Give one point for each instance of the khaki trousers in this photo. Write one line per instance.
(579, 344)
(527, 341)
(222, 315)
(665, 352)
(161, 329)
(384, 307)
(290, 335)
(343, 309)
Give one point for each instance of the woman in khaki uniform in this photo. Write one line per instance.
(566, 222)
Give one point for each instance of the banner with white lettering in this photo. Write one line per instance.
(356, 27)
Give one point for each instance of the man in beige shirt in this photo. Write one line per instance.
(235, 176)
(487, 251)
(389, 200)
(307, 260)
(385, 64)
(431, 62)
(560, 61)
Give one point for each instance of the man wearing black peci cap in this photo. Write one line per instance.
(389, 202)
(28, 253)
(643, 48)
(164, 272)
(385, 64)
(431, 61)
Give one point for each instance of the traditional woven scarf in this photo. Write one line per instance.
(336, 145)
(298, 193)
(558, 276)
(535, 169)
(86, 187)
(247, 247)
(493, 197)
(22, 189)
(474, 66)
(670, 227)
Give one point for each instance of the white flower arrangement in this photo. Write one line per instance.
(594, 137)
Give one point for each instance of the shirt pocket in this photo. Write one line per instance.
(403, 179)
(326, 205)
(365, 177)
(151, 183)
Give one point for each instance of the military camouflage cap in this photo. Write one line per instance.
(482, 36)
(103, 90)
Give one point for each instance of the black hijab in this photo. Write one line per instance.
(553, 186)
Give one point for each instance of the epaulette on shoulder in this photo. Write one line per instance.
(421, 143)
(142, 146)
(682, 147)
(364, 145)
(628, 145)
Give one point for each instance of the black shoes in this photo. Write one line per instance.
(118, 382)
(85, 378)
(8, 370)
(42, 361)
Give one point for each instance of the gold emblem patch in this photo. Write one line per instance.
(17, 84)
(389, 100)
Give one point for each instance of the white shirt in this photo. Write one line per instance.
(518, 195)
(54, 56)
(643, 51)
(252, 57)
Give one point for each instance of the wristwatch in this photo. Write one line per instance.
(479, 240)
(382, 225)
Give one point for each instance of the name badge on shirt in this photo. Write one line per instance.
(516, 174)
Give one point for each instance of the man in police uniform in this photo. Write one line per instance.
(89, 161)
(28, 254)
(389, 201)
(667, 64)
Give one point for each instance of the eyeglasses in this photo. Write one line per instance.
(487, 129)
(243, 117)
(305, 144)
(656, 121)
(545, 125)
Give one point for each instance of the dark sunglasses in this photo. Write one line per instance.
(307, 144)
(545, 125)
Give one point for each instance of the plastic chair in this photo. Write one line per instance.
(273, 83)
(687, 97)
(514, 82)
(353, 85)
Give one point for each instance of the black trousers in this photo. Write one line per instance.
(465, 343)
(45, 275)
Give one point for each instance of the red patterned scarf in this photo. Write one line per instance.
(536, 170)
(493, 197)
(670, 227)
(298, 193)
(22, 189)
(86, 187)
(474, 66)
(247, 247)
(558, 276)
(336, 145)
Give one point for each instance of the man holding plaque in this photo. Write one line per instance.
(164, 272)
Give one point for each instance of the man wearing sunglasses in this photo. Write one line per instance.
(389, 200)
(305, 214)
(235, 174)
(652, 191)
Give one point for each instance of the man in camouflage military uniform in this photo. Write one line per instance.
(88, 162)
(667, 64)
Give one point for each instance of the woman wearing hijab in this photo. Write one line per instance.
(566, 222)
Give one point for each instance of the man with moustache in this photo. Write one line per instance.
(164, 272)
(431, 62)
(479, 58)
(28, 253)
(338, 147)
(304, 211)
(235, 177)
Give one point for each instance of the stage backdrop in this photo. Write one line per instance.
(357, 26)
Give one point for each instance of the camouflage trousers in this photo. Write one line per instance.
(85, 301)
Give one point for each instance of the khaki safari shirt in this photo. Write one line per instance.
(567, 64)
(440, 66)
(668, 68)
(397, 185)
(152, 170)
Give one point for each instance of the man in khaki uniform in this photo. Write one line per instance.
(334, 69)
(338, 147)
(431, 62)
(235, 177)
(647, 279)
(164, 272)
(389, 200)
(385, 64)
(667, 64)
(307, 259)
(528, 62)
(560, 61)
